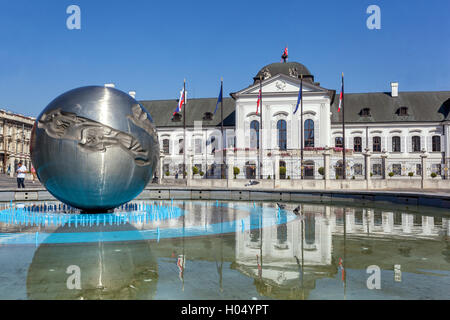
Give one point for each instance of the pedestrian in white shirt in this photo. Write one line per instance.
(21, 170)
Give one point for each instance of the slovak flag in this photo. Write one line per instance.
(284, 56)
(257, 102)
(341, 96)
(180, 101)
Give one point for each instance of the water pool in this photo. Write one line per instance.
(224, 250)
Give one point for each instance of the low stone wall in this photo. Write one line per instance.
(379, 184)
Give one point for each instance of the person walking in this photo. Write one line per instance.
(33, 172)
(21, 170)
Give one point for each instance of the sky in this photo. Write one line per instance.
(151, 46)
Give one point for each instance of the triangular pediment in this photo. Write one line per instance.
(281, 84)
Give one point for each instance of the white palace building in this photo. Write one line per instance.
(393, 132)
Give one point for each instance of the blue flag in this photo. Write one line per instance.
(299, 96)
(219, 99)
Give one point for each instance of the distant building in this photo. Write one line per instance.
(395, 127)
(15, 133)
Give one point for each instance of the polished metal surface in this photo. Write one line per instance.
(94, 148)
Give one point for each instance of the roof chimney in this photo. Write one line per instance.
(394, 89)
(110, 85)
(132, 94)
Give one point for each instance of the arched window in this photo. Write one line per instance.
(376, 144)
(338, 142)
(396, 147)
(180, 146)
(436, 143)
(166, 146)
(357, 144)
(254, 134)
(309, 133)
(415, 144)
(282, 136)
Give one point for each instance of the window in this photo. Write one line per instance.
(166, 146)
(308, 169)
(376, 147)
(396, 147)
(309, 133)
(282, 166)
(357, 144)
(418, 169)
(181, 146)
(282, 137)
(358, 169)
(436, 168)
(403, 111)
(397, 219)
(377, 218)
(417, 220)
(339, 169)
(198, 146)
(376, 169)
(254, 134)
(338, 142)
(436, 143)
(397, 169)
(365, 112)
(416, 144)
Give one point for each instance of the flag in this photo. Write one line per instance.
(341, 267)
(341, 96)
(180, 101)
(300, 93)
(180, 265)
(284, 56)
(257, 102)
(219, 99)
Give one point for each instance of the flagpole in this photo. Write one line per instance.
(260, 130)
(184, 129)
(222, 171)
(344, 165)
(301, 128)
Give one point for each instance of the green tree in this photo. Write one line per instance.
(236, 171)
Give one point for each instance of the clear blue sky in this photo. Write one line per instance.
(150, 46)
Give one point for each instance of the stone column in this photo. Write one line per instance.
(384, 164)
(423, 158)
(161, 167)
(367, 155)
(276, 168)
(189, 169)
(326, 163)
(230, 170)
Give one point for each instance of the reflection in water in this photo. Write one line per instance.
(244, 251)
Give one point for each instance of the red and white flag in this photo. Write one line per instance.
(180, 265)
(257, 102)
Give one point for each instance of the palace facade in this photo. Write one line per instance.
(15, 133)
(397, 129)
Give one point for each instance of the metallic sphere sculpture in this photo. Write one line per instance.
(94, 148)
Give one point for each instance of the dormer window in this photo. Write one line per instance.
(365, 112)
(402, 111)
